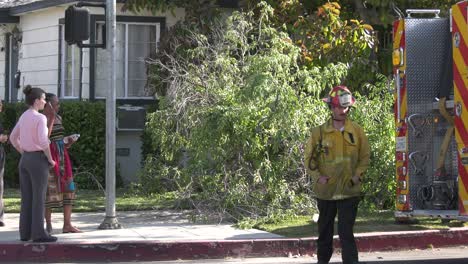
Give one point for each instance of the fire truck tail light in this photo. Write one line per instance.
(402, 199)
(397, 57)
(402, 185)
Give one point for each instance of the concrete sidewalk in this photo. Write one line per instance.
(169, 235)
(137, 226)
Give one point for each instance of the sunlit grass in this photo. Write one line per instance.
(303, 226)
(94, 201)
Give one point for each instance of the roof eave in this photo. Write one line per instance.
(18, 10)
(6, 18)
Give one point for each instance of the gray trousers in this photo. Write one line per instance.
(33, 172)
(2, 170)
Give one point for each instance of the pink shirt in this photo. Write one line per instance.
(31, 132)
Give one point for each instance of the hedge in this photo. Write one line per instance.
(87, 155)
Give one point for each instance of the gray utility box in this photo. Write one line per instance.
(130, 124)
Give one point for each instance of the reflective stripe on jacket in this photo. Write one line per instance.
(338, 155)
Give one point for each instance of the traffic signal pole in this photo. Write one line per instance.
(110, 221)
(77, 22)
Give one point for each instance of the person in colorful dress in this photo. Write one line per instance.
(60, 187)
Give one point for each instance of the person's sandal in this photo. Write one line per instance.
(72, 230)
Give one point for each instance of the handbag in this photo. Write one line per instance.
(70, 186)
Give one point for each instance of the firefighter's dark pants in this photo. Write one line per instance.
(347, 210)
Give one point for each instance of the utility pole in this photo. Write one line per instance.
(110, 221)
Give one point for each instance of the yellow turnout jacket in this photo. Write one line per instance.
(339, 155)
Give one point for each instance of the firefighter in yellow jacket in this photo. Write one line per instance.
(336, 157)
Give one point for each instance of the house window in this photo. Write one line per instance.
(70, 65)
(135, 42)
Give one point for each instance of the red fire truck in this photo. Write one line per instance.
(430, 67)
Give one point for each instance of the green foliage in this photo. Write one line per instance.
(323, 32)
(235, 109)
(155, 5)
(194, 9)
(11, 113)
(323, 35)
(88, 154)
(235, 140)
(374, 113)
(320, 28)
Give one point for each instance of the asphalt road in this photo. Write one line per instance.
(452, 255)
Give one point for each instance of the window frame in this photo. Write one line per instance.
(158, 22)
(62, 69)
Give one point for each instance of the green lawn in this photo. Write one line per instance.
(94, 200)
(303, 226)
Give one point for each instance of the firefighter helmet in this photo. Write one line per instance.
(340, 96)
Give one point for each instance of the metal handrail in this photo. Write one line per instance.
(436, 12)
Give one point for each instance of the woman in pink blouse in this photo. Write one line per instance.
(30, 138)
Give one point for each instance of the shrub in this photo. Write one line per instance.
(88, 154)
(235, 110)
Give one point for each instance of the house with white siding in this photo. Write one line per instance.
(33, 51)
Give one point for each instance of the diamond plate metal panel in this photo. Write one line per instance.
(428, 58)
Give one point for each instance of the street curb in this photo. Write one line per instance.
(152, 250)
(412, 240)
(216, 249)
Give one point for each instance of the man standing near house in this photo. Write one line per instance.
(336, 156)
(3, 140)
